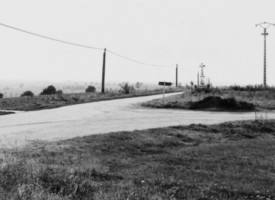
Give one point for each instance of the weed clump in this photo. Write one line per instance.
(23, 179)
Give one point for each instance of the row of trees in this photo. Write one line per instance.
(50, 90)
(125, 88)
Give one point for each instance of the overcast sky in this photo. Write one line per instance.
(219, 33)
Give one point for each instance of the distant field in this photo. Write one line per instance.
(224, 161)
(58, 100)
(14, 88)
(262, 100)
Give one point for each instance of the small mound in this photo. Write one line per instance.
(217, 103)
(6, 112)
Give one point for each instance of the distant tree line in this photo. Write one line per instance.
(249, 88)
(125, 88)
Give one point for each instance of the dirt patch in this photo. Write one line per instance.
(210, 103)
(217, 103)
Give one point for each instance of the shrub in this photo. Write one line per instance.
(138, 85)
(90, 89)
(59, 92)
(126, 88)
(1, 95)
(49, 90)
(206, 89)
(27, 94)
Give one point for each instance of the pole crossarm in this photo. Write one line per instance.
(202, 74)
(265, 25)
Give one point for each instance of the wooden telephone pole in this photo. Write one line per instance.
(177, 75)
(103, 72)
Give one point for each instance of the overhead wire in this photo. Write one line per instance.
(85, 46)
(50, 38)
(137, 61)
(144, 63)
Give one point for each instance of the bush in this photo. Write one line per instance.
(49, 90)
(90, 89)
(1, 95)
(27, 94)
(138, 85)
(206, 89)
(126, 88)
(59, 92)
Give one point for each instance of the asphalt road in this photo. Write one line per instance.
(102, 117)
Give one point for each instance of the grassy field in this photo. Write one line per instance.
(58, 100)
(262, 99)
(226, 161)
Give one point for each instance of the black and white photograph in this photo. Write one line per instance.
(137, 100)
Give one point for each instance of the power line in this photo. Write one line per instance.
(90, 47)
(50, 38)
(144, 63)
(85, 46)
(137, 61)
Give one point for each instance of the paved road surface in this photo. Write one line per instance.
(101, 117)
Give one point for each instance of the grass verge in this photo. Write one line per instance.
(233, 160)
(59, 100)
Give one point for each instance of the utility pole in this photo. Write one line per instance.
(202, 74)
(103, 73)
(177, 75)
(198, 79)
(265, 26)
